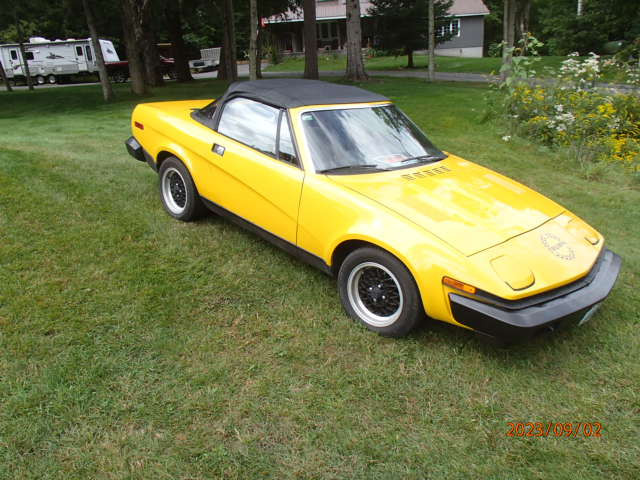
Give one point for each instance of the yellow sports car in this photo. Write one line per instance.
(341, 178)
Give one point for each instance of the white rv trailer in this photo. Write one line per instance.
(51, 60)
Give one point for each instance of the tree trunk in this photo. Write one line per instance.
(253, 40)
(355, 65)
(23, 54)
(431, 76)
(107, 91)
(134, 54)
(147, 36)
(173, 14)
(5, 79)
(259, 42)
(229, 43)
(508, 33)
(310, 40)
(410, 58)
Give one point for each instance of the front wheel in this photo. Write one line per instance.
(178, 192)
(377, 290)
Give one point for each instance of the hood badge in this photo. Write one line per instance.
(557, 246)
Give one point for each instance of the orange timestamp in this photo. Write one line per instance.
(554, 429)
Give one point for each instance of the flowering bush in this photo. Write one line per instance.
(570, 112)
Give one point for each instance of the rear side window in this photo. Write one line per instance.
(251, 123)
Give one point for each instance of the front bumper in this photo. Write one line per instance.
(521, 319)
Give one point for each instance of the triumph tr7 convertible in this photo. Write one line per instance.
(341, 178)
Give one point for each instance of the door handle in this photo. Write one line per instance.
(218, 149)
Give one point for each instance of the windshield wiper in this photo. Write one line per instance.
(425, 158)
(353, 167)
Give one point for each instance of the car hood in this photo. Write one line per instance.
(468, 206)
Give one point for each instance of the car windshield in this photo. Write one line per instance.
(358, 140)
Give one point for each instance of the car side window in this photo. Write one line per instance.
(252, 123)
(286, 151)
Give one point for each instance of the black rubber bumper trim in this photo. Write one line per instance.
(514, 325)
(135, 149)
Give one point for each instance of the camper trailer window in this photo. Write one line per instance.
(28, 55)
(14, 55)
(88, 50)
(79, 51)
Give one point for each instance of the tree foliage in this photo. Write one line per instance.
(403, 25)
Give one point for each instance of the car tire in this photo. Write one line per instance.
(178, 192)
(40, 80)
(52, 79)
(377, 290)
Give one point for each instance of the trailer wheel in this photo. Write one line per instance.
(40, 80)
(119, 77)
(51, 79)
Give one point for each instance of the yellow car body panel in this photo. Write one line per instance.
(452, 218)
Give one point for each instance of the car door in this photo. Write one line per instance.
(253, 167)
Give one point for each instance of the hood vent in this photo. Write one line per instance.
(429, 172)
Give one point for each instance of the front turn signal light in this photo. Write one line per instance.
(459, 285)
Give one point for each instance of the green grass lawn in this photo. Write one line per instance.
(485, 65)
(135, 346)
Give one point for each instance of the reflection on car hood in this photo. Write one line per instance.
(466, 205)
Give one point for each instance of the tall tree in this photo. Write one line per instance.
(145, 31)
(4, 78)
(355, 65)
(23, 53)
(431, 75)
(173, 16)
(508, 35)
(130, 19)
(253, 40)
(404, 24)
(310, 39)
(107, 91)
(228, 62)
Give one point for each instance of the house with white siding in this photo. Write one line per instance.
(466, 25)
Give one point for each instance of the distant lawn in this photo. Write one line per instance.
(135, 346)
(485, 65)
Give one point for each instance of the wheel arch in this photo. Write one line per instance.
(346, 246)
(167, 151)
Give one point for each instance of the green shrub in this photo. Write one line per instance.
(570, 112)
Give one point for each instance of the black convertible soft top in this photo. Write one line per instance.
(295, 92)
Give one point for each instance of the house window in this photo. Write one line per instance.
(452, 27)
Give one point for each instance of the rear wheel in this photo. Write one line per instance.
(377, 290)
(51, 79)
(178, 192)
(40, 80)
